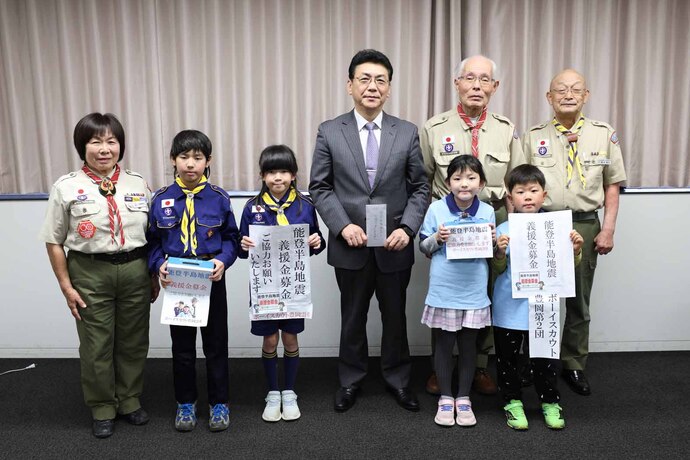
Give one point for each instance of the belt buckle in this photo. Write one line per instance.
(115, 260)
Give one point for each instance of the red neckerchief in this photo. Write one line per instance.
(475, 128)
(106, 187)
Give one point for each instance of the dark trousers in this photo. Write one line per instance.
(214, 338)
(356, 290)
(575, 338)
(508, 343)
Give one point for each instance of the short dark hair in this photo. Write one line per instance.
(464, 162)
(277, 157)
(97, 124)
(524, 174)
(369, 55)
(191, 139)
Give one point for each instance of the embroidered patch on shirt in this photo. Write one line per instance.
(86, 229)
(543, 148)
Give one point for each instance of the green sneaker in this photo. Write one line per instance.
(515, 415)
(553, 416)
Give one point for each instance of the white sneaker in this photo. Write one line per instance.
(463, 410)
(272, 409)
(290, 407)
(445, 416)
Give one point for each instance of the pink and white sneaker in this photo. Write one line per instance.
(445, 416)
(463, 409)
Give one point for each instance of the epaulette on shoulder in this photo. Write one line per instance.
(220, 190)
(71, 175)
(602, 124)
(437, 120)
(502, 119)
(132, 173)
(539, 126)
(307, 198)
(159, 191)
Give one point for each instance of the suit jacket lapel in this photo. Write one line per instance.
(351, 134)
(388, 132)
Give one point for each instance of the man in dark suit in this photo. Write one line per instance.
(361, 158)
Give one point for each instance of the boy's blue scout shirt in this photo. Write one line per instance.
(301, 211)
(216, 229)
(458, 283)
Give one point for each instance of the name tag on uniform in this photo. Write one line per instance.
(597, 159)
(136, 202)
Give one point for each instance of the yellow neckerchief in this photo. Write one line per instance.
(280, 210)
(188, 226)
(573, 158)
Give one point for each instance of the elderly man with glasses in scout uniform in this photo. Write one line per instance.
(470, 129)
(582, 162)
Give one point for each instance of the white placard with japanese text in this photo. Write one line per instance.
(279, 272)
(541, 254)
(544, 326)
(376, 225)
(186, 301)
(469, 241)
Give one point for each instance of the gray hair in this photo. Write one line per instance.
(457, 71)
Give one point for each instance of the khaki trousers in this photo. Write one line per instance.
(113, 332)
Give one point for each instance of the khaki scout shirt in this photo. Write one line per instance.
(446, 136)
(77, 215)
(600, 156)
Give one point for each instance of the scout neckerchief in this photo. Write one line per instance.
(573, 158)
(106, 186)
(279, 210)
(188, 236)
(475, 128)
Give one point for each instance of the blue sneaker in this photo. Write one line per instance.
(185, 419)
(218, 418)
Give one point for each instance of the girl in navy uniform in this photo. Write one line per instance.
(279, 203)
(192, 218)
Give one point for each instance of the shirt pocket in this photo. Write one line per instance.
(210, 228)
(495, 167)
(548, 162)
(209, 222)
(170, 222)
(82, 210)
(443, 158)
(593, 164)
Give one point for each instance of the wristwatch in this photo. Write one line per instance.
(407, 230)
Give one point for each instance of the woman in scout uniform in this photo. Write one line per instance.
(100, 214)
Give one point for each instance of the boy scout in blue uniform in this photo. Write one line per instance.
(193, 219)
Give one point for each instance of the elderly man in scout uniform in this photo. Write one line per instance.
(470, 129)
(583, 165)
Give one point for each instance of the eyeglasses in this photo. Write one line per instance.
(577, 92)
(483, 80)
(365, 80)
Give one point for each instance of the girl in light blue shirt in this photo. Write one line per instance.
(457, 304)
